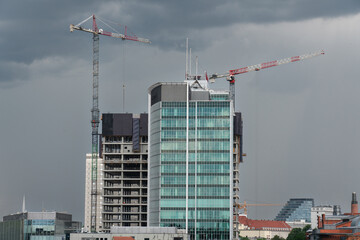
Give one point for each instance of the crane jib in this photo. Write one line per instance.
(239, 71)
(294, 59)
(269, 64)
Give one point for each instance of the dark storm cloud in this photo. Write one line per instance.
(34, 29)
(167, 23)
(12, 71)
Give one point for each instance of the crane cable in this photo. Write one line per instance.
(123, 76)
(256, 140)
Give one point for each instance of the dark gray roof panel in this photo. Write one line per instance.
(143, 124)
(107, 124)
(122, 125)
(237, 124)
(117, 124)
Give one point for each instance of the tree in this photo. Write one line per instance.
(296, 234)
(276, 237)
(306, 228)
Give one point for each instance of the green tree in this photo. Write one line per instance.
(307, 227)
(276, 237)
(244, 238)
(296, 234)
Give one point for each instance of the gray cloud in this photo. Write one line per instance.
(35, 29)
(289, 111)
(12, 71)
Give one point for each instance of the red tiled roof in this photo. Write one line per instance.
(263, 224)
(123, 238)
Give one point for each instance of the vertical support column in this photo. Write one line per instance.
(187, 159)
(196, 159)
(231, 81)
(231, 160)
(149, 162)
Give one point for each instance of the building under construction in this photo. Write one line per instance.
(122, 173)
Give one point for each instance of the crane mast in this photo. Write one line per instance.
(95, 131)
(95, 112)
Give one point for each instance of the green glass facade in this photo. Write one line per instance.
(12, 230)
(38, 226)
(190, 168)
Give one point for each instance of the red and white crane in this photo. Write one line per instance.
(95, 119)
(230, 75)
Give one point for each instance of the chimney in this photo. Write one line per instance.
(354, 204)
(319, 222)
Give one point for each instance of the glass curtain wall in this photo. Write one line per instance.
(195, 162)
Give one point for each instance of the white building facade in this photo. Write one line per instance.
(87, 217)
(319, 211)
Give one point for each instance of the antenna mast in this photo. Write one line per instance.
(187, 59)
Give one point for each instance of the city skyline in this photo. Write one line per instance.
(300, 120)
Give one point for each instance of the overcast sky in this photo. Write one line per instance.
(301, 132)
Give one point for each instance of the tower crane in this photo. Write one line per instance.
(95, 102)
(230, 75)
(245, 205)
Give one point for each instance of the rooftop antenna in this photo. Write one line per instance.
(23, 205)
(187, 59)
(196, 66)
(123, 98)
(190, 62)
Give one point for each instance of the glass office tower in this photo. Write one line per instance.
(296, 209)
(191, 156)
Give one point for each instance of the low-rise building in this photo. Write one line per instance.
(298, 224)
(339, 227)
(262, 228)
(135, 233)
(38, 225)
(330, 210)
